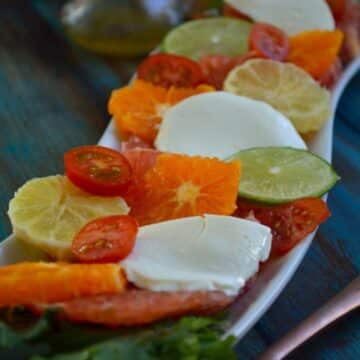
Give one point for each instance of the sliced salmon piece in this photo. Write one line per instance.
(139, 307)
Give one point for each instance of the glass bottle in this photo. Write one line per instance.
(122, 27)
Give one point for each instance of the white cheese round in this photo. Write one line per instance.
(220, 124)
(208, 252)
(292, 16)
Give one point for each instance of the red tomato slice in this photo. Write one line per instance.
(231, 12)
(170, 70)
(338, 8)
(98, 170)
(269, 41)
(290, 223)
(217, 67)
(139, 307)
(107, 239)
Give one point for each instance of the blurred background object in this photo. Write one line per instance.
(127, 27)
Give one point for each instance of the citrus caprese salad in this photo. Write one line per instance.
(214, 179)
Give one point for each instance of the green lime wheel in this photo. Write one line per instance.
(281, 174)
(221, 35)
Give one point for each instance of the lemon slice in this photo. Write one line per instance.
(48, 212)
(285, 87)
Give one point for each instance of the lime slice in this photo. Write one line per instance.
(286, 87)
(222, 35)
(48, 212)
(282, 174)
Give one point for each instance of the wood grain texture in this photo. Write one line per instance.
(53, 96)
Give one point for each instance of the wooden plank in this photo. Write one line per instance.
(52, 97)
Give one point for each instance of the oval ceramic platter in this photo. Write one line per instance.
(274, 276)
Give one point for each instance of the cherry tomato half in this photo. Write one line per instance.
(170, 70)
(290, 223)
(338, 8)
(107, 239)
(229, 11)
(269, 41)
(98, 170)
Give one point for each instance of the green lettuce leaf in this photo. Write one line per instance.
(190, 338)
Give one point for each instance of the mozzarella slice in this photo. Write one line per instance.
(292, 16)
(220, 124)
(198, 253)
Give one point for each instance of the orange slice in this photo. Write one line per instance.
(29, 283)
(315, 51)
(180, 186)
(138, 109)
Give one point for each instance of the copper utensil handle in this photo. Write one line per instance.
(347, 300)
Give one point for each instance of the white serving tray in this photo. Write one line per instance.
(274, 276)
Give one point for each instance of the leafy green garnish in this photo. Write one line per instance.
(191, 338)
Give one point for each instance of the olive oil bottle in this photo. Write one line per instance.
(122, 27)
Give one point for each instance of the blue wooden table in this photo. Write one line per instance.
(53, 96)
